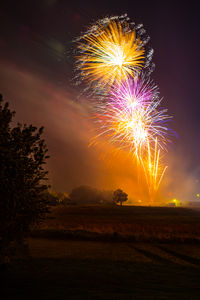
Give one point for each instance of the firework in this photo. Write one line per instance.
(113, 58)
(139, 91)
(131, 119)
(153, 169)
(112, 49)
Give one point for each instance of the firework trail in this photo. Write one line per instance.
(153, 169)
(112, 49)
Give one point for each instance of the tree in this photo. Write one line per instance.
(119, 196)
(23, 155)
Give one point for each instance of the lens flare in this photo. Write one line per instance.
(112, 49)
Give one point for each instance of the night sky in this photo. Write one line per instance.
(36, 78)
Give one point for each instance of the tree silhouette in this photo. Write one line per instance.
(119, 196)
(22, 177)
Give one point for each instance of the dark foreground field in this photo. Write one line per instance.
(86, 265)
(126, 223)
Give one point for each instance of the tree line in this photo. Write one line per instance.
(84, 195)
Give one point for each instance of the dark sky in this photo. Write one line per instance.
(37, 67)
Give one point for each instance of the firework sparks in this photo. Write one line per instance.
(131, 119)
(153, 169)
(112, 49)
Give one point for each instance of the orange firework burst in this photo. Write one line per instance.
(110, 50)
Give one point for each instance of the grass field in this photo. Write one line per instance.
(129, 223)
(90, 253)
